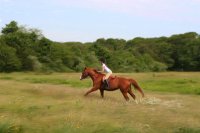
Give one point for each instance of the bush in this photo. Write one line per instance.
(34, 63)
(8, 59)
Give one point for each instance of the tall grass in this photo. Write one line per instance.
(49, 103)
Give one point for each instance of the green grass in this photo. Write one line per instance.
(93, 128)
(56, 79)
(188, 130)
(183, 86)
(6, 78)
(69, 82)
(7, 127)
(177, 82)
(183, 83)
(54, 103)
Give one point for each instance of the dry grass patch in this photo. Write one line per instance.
(46, 108)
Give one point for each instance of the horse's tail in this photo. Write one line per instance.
(136, 86)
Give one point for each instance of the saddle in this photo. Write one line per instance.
(111, 77)
(106, 84)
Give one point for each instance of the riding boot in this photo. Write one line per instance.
(106, 82)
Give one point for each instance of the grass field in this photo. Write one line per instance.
(54, 103)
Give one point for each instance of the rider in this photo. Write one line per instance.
(106, 70)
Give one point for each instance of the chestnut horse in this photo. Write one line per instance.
(115, 83)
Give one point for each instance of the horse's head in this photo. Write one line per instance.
(88, 72)
(84, 73)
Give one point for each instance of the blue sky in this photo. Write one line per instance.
(88, 20)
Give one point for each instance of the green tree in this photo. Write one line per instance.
(10, 28)
(8, 59)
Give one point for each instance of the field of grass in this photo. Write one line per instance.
(54, 103)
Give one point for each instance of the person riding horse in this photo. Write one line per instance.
(107, 71)
(124, 84)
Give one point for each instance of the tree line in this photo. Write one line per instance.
(25, 49)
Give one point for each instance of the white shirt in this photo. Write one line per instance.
(106, 69)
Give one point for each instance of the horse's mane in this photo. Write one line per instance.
(94, 70)
(97, 72)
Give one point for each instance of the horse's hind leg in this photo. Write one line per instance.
(125, 95)
(131, 93)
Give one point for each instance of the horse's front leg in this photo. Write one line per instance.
(102, 92)
(91, 90)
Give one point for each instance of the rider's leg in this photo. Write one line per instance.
(106, 78)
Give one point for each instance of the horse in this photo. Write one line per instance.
(115, 83)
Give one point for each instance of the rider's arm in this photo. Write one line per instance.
(102, 69)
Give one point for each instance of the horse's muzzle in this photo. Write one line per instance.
(81, 78)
